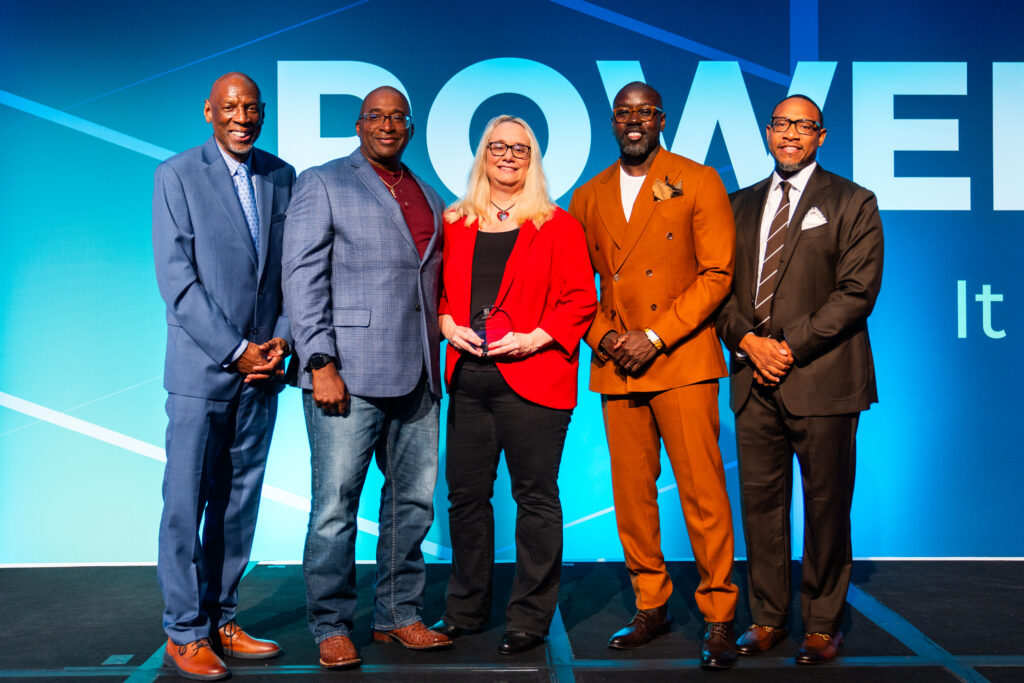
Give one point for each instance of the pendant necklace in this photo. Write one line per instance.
(391, 188)
(503, 213)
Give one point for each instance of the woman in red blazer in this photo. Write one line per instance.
(512, 256)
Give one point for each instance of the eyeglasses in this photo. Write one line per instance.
(498, 149)
(378, 119)
(644, 114)
(780, 124)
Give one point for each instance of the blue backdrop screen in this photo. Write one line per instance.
(922, 102)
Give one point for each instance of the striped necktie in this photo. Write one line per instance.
(770, 265)
(247, 197)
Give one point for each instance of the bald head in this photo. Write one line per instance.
(642, 91)
(383, 93)
(235, 108)
(234, 78)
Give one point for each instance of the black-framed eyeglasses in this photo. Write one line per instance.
(780, 124)
(378, 119)
(498, 149)
(644, 114)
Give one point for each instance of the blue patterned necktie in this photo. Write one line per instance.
(247, 196)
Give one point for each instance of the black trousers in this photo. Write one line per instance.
(825, 446)
(486, 417)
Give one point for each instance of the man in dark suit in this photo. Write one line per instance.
(218, 215)
(362, 258)
(808, 271)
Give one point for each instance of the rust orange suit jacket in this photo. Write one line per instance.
(668, 268)
(547, 283)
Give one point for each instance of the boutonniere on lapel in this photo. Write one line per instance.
(813, 219)
(663, 189)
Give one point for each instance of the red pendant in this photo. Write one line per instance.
(502, 215)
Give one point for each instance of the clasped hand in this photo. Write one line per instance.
(772, 359)
(262, 361)
(631, 350)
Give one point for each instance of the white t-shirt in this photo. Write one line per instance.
(629, 186)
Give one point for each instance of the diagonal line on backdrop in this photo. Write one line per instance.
(83, 126)
(87, 403)
(669, 38)
(148, 450)
(215, 54)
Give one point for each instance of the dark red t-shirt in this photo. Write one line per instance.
(413, 204)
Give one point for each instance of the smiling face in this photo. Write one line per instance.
(383, 142)
(236, 111)
(793, 151)
(506, 173)
(638, 139)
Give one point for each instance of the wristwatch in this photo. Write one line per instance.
(319, 360)
(654, 339)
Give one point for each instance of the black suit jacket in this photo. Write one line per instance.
(829, 278)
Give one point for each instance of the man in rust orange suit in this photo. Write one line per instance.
(661, 237)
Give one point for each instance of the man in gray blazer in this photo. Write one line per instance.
(808, 271)
(362, 254)
(218, 217)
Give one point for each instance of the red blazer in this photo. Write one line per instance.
(548, 283)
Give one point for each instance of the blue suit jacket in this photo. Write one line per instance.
(218, 290)
(354, 283)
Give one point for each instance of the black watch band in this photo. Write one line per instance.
(319, 360)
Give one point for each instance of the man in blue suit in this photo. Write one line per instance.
(218, 218)
(362, 254)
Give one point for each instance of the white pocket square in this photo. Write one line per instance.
(813, 219)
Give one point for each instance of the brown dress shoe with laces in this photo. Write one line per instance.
(758, 639)
(819, 648)
(338, 652)
(718, 651)
(415, 637)
(196, 660)
(645, 626)
(237, 643)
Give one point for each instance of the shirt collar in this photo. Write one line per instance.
(797, 180)
(234, 163)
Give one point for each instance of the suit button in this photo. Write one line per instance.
(612, 315)
(597, 247)
(654, 307)
(668, 236)
(253, 332)
(650, 273)
(417, 307)
(615, 277)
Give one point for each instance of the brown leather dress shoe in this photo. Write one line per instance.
(196, 660)
(718, 651)
(237, 643)
(338, 652)
(818, 648)
(645, 626)
(758, 639)
(415, 637)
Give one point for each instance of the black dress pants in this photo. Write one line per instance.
(767, 436)
(486, 417)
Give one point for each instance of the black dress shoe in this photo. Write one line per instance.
(645, 626)
(514, 642)
(446, 629)
(718, 651)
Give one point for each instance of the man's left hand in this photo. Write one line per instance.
(633, 351)
(275, 351)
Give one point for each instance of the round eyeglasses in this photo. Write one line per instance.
(498, 149)
(643, 114)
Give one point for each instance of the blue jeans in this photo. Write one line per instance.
(403, 433)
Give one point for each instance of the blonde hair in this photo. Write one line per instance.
(532, 203)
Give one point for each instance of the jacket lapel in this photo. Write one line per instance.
(643, 208)
(527, 232)
(364, 171)
(752, 213)
(814, 192)
(266, 207)
(609, 205)
(224, 187)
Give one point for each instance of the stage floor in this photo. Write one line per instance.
(906, 621)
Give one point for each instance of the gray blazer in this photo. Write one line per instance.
(218, 290)
(354, 284)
